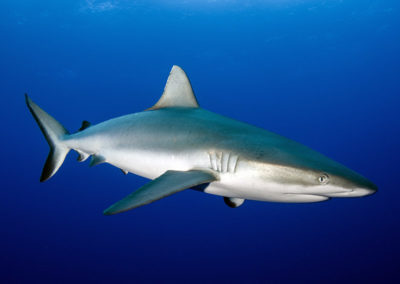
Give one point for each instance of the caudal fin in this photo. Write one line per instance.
(54, 133)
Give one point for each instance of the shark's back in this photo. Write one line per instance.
(186, 128)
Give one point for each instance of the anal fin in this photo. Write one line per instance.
(82, 156)
(97, 159)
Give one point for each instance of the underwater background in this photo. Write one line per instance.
(324, 73)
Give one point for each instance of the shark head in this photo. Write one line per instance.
(342, 182)
(296, 173)
(337, 182)
(315, 175)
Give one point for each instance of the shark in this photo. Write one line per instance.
(178, 145)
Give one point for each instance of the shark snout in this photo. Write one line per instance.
(362, 187)
(367, 188)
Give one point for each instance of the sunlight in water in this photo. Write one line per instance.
(100, 6)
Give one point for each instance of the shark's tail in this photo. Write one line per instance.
(54, 133)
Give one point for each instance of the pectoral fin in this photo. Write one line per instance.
(167, 184)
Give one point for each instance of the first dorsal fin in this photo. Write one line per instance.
(177, 92)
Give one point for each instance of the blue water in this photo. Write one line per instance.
(324, 73)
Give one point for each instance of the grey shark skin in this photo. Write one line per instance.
(179, 145)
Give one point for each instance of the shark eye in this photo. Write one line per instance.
(323, 179)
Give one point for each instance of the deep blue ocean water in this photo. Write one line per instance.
(324, 73)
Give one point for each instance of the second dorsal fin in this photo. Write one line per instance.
(177, 92)
(85, 124)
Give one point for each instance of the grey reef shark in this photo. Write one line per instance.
(179, 145)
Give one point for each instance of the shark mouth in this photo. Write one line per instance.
(320, 196)
(356, 192)
(332, 192)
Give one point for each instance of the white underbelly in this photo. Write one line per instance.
(230, 184)
(151, 165)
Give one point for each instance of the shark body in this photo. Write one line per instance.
(179, 145)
